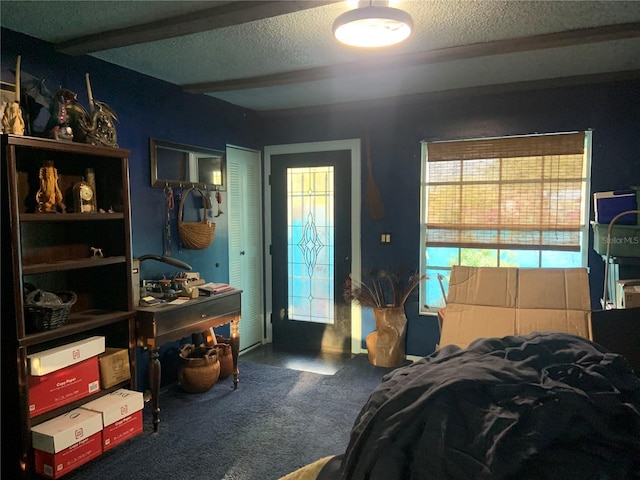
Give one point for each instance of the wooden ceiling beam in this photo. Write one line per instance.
(380, 63)
(224, 14)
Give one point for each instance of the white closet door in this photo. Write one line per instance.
(244, 207)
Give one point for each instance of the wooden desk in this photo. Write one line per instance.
(167, 322)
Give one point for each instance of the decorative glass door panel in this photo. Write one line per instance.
(311, 243)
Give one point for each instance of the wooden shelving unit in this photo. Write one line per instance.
(52, 251)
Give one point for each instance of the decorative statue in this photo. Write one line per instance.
(12, 121)
(49, 196)
(64, 118)
(58, 126)
(95, 127)
(48, 111)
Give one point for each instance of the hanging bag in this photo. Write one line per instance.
(195, 235)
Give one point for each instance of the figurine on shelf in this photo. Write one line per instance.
(97, 126)
(48, 111)
(12, 121)
(49, 196)
(58, 126)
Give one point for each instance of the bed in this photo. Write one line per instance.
(536, 406)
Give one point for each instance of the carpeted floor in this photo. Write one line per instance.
(275, 422)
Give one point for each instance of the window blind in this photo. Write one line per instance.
(511, 193)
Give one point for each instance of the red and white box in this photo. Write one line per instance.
(121, 412)
(48, 361)
(66, 385)
(64, 443)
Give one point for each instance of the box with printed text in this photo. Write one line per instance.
(47, 361)
(64, 443)
(63, 386)
(624, 240)
(114, 366)
(121, 412)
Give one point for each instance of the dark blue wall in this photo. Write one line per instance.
(611, 110)
(151, 108)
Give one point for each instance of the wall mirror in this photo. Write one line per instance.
(178, 165)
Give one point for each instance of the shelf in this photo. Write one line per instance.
(52, 251)
(66, 147)
(75, 404)
(69, 217)
(623, 260)
(78, 322)
(91, 262)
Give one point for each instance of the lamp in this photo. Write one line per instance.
(372, 26)
(168, 260)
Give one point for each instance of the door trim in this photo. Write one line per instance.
(353, 145)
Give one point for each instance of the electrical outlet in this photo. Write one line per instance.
(385, 238)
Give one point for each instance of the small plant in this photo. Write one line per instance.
(382, 288)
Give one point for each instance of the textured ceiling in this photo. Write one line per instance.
(290, 60)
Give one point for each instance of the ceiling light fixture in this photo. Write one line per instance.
(372, 26)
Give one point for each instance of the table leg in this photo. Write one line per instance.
(154, 383)
(235, 349)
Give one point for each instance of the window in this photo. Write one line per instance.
(310, 240)
(503, 202)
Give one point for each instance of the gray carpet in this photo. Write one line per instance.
(275, 422)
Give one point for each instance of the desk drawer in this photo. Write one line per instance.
(199, 312)
(169, 323)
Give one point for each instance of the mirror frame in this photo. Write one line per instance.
(192, 153)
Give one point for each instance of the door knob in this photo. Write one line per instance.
(242, 252)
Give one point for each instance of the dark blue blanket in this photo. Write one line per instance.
(540, 406)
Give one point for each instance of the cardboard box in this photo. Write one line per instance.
(609, 204)
(47, 361)
(114, 367)
(628, 293)
(64, 443)
(58, 388)
(121, 413)
(625, 240)
(497, 302)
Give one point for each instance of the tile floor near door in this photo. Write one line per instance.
(326, 363)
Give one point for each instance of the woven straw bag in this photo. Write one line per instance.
(195, 235)
(199, 368)
(225, 355)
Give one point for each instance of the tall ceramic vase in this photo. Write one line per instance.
(385, 345)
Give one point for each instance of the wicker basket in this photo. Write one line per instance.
(46, 311)
(224, 356)
(199, 368)
(195, 235)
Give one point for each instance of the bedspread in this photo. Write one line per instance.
(538, 406)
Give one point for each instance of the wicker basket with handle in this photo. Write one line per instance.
(199, 368)
(195, 235)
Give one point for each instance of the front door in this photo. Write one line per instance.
(311, 248)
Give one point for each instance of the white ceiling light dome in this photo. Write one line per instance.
(372, 26)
